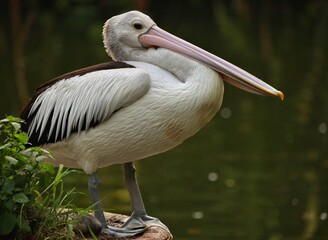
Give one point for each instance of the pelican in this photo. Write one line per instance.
(158, 91)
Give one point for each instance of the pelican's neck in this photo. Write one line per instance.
(182, 67)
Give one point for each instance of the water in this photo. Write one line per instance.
(259, 169)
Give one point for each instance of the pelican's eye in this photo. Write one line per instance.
(137, 25)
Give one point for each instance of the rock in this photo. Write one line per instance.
(116, 220)
(87, 223)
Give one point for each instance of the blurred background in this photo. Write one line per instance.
(259, 169)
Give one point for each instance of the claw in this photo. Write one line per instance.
(122, 232)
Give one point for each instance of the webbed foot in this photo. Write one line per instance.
(134, 225)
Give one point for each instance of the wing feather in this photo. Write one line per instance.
(80, 102)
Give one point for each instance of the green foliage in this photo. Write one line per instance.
(32, 197)
(21, 173)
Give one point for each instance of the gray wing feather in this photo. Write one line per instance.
(78, 103)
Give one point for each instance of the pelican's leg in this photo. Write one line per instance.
(95, 198)
(139, 218)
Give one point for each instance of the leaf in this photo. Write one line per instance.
(47, 168)
(40, 158)
(7, 223)
(5, 120)
(28, 167)
(22, 137)
(23, 224)
(8, 185)
(11, 160)
(7, 145)
(20, 198)
(10, 204)
(16, 125)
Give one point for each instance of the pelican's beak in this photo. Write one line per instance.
(157, 37)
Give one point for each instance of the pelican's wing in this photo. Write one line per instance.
(80, 100)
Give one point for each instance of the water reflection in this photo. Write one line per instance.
(259, 169)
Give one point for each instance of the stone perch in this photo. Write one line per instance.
(116, 220)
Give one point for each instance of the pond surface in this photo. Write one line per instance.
(259, 169)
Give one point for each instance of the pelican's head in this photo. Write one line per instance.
(134, 32)
(121, 34)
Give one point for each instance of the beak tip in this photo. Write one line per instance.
(281, 95)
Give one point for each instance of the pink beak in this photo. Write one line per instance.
(156, 37)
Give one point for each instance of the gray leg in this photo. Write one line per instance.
(139, 218)
(95, 198)
(133, 188)
(96, 201)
